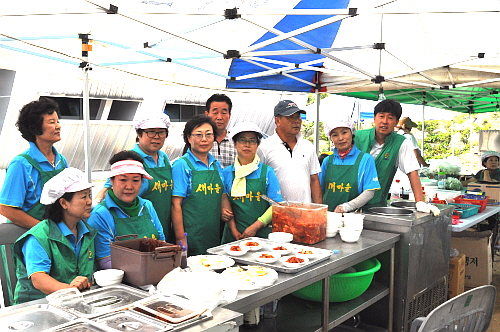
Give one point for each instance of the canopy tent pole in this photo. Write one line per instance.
(85, 107)
(423, 131)
(316, 123)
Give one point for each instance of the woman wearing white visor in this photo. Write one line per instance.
(58, 252)
(123, 212)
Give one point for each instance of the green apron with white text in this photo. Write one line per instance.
(385, 161)
(140, 225)
(248, 208)
(341, 183)
(201, 210)
(160, 194)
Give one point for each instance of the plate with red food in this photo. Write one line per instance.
(236, 249)
(252, 245)
(305, 252)
(280, 248)
(293, 261)
(266, 257)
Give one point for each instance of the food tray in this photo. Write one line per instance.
(129, 320)
(481, 202)
(33, 318)
(248, 258)
(100, 301)
(83, 325)
(466, 210)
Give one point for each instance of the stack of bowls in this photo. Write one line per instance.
(333, 222)
(353, 226)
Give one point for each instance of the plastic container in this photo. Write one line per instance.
(343, 286)
(441, 180)
(466, 210)
(143, 268)
(306, 221)
(481, 202)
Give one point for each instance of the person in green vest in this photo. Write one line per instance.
(245, 181)
(198, 189)
(152, 131)
(122, 211)
(58, 252)
(348, 177)
(38, 122)
(391, 151)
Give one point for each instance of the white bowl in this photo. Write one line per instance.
(284, 260)
(349, 235)
(286, 248)
(258, 257)
(243, 250)
(249, 244)
(280, 237)
(108, 277)
(331, 234)
(354, 220)
(308, 253)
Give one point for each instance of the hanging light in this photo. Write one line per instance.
(381, 95)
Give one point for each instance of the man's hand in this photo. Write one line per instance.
(427, 208)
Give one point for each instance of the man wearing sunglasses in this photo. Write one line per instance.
(152, 131)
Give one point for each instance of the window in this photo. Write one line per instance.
(183, 113)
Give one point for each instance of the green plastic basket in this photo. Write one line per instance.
(466, 210)
(343, 286)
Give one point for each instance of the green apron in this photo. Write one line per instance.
(140, 225)
(341, 183)
(201, 210)
(37, 211)
(65, 265)
(160, 194)
(385, 161)
(250, 207)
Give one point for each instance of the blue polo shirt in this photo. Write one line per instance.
(149, 162)
(35, 257)
(272, 184)
(182, 174)
(22, 186)
(102, 220)
(367, 173)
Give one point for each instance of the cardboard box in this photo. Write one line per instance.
(492, 190)
(456, 276)
(477, 249)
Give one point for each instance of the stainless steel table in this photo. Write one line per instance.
(370, 244)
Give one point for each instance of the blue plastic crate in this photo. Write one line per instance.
(466, 210)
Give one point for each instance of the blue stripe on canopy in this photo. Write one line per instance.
(321, 38)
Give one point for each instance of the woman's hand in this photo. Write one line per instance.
(339, 209)
(80, 282)
(252, 229)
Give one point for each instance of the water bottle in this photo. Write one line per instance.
(441, 180)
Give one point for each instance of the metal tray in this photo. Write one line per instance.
(278, 266)
(100, 301)
(34, 318)
(129, 320)
(82, 325)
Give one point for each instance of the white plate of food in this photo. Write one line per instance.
(309, 253)
(280, 248)
(266, 257)
(210, 262)
(236, 249)
(252, 245)
(293, 261)
(251, 277)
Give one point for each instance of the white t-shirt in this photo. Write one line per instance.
(406, 162)
(410, 137)
(293, 171)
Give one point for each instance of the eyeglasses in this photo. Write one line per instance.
(153, 134)
(251, 141)
(200, 136)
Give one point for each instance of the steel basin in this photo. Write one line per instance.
(390, 211)
(404, 204)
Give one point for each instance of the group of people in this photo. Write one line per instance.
(210, 195)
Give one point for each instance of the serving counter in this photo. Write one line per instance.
(370, 244)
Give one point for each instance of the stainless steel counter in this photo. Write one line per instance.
(370, 244)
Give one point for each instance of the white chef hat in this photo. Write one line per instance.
(332, 123)
(128, 167)
(241, 127)
(488, 154)
(147, 121)
(70, 180)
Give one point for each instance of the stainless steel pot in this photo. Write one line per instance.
(390, 211)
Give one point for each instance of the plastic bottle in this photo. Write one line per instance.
(436, 199)
(425, 197)
(441, 180)
(395, 193)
